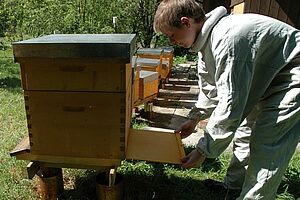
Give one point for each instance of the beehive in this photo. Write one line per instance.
(148, 84)
(152, 55)
(77, 91)
(167, 61)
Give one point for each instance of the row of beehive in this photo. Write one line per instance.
(152, 68)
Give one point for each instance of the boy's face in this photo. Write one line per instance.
(184, 36)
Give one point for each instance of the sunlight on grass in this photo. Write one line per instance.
(13, 180)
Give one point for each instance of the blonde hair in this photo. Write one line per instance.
(169, 13)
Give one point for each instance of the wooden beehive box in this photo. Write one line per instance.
(163, 54)
(150, 64)
(284, 10)
(148, 84)
(77, 91)
(150, 53)
(167, 61)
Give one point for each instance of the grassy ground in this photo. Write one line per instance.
(143, 180)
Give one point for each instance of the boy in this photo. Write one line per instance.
(250, 88)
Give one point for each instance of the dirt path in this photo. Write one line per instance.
(175, 100)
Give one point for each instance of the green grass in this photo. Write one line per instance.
(143, 180)
(179, 59)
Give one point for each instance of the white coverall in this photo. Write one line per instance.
(250, 88)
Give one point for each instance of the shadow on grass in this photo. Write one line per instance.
(165, 187)
(144, 180)
(139, 186)
(10, 83)
(84, 187)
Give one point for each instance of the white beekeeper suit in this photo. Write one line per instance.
(250, 84)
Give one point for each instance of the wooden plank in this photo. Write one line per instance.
(238, 9)
(128, 113)
(148, 84)
(247, 6)
(282, 16)
(22, 147)
(180, 146)
(254, 7)
(72, 162)
(264, 7)
(236, 2)
(136, 83)
(73, 75)
(81, 124)
(154, 146)
(77, 166)
(274, 8)
(287, 6)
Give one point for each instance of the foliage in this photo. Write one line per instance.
(179, 59)
(33, 18)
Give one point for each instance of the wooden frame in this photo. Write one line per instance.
(157, 146)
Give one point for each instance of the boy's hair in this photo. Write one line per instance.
(169, 13)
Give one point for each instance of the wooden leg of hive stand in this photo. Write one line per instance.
(112, 177)
(148, 107)
(32, 169)
(162, 83)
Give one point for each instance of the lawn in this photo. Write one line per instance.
(143, 180)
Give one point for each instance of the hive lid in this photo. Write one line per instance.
(151, 51)
(106, 46)
(148, 76)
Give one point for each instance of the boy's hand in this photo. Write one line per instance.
(186, 128)
(193, 159)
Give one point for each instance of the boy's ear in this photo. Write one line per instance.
(185, 21)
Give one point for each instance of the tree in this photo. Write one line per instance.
(35, 18)
(141, 18)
